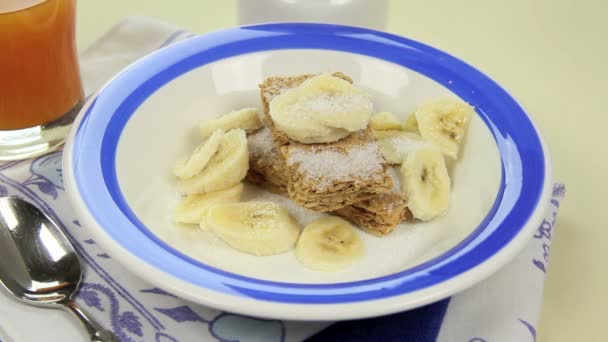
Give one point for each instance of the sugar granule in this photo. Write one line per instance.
(330, 104)
(260, 142)
(326, 166)
(396, 176)
(405, 144)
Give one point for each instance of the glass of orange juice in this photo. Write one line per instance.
(40, 86)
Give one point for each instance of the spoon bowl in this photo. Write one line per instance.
(38, 264)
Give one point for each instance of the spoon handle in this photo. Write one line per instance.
(96, 331)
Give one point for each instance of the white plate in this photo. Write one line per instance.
(119, 157)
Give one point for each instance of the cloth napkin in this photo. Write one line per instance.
(504, 307)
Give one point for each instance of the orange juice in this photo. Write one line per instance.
(39, 75)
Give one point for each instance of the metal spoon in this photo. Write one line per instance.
(38, 264)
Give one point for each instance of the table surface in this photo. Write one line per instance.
(551, 55)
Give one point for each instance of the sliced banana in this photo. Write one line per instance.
(425, 183)
(329, 244)
(444, 122)
(309, 132)
(396, 145)
(247, 119)
(384, 121)
(258, 228)
(322, 109)
(226, 168)
(193, 208)
(197, 161)
(335, 102)
(410, 124)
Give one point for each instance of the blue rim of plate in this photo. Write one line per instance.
(96, 140)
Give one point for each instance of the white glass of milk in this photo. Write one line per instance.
(363, 13)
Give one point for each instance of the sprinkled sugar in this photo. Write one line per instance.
(326, 166)
(396, 176)
(260, 142)
(405, 144)
(330, 104)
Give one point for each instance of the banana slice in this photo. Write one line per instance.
(258, 228)
(194, 207)
(396, 145)
(309, 132)
(322, 109)
(444, 122)
(334, 102)
(425, 183)
(226, 168)
(247, 119)
(189, 167)
(384, 121)
(329, 244)
(410, 124)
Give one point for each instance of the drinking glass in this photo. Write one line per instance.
(364, 13)
(40, 86)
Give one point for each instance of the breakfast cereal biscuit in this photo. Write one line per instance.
(274, 86)
(327, 176)
(266, 166)
(257, 178)
(378, 215)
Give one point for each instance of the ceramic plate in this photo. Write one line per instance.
(120, 154)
